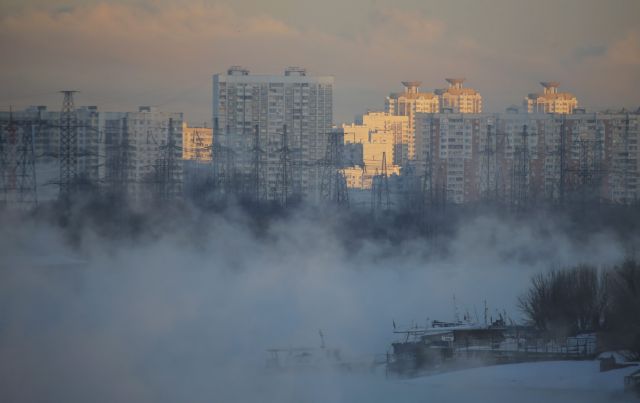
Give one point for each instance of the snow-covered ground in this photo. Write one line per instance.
(561, 381)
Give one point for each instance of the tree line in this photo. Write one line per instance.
(585, 299)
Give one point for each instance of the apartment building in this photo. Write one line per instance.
(270, 132)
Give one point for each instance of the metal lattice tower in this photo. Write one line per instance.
(520, 176)
(284, 178)
(563, 162)
(429, 190)
(120, 164)
(626, 162)
(27, 187)
(380, 197)
(68, 153)
(258, 191)
(8, 143)
(488, 152)
(224, 165)
(168, 168)
(333, 185)
(17, 163)
(3, 166)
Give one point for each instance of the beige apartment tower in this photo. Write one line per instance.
(458, 99)
(408, 103)
(550, 101)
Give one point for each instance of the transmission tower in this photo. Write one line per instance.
(625, 162)
(27, 191)
(258, 162)
(168, 170)
(563, 163)
(284, 177)
(9, 144)
(590, 171)
(520, 176)
(68, 145)
(428, 188)
(17, 163)
(3, 166)
(224, 165)
(499, 182)
(488, 152)
(380, 187)
(333, 185)
(119, 164)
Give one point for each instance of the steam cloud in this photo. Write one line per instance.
(185, 311)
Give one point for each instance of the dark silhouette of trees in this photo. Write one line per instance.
(624, 307)
(584, 299)
(568, 301)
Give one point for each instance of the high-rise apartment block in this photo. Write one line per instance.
(550, 101)
(458, 99)
(408, 103)
(522, 158)
(270, 132)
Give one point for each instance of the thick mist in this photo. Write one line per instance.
(184, 308)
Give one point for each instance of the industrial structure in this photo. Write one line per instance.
(49, 155)
(17, 162)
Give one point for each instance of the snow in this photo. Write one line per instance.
(559, 381)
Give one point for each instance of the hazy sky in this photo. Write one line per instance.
(121, 54)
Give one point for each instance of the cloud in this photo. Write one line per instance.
(122, 54)
(627, 50)
(585, 52)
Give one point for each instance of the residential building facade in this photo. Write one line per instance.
(270, 132)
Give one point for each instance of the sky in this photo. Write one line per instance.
(121, 54)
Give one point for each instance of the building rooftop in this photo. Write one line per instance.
(551, 92)
(455, 82)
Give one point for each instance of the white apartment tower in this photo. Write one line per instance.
(270, 132)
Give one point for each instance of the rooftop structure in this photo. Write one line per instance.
(550, 100)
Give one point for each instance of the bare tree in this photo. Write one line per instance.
(567, 301)
(624, 307)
